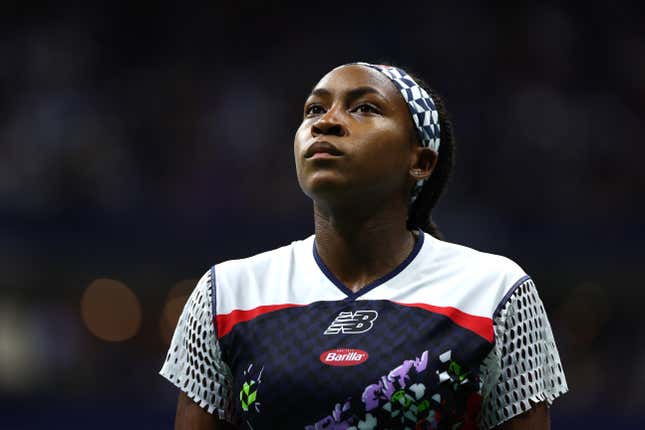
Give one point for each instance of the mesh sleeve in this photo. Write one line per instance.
(524, 366)
(194, 361)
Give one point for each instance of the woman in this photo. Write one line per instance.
(370, 323)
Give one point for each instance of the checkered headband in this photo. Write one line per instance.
(422, 108)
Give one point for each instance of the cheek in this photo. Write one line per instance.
(298, 141)
(300, 136)
(384, 161)
(389, 150)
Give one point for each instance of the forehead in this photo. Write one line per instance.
(347, 77)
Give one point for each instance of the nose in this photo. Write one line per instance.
(328, 124)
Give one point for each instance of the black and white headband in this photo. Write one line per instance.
(422, 108)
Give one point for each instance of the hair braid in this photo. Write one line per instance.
(420, 212)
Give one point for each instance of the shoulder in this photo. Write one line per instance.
(263, 279)
(280, 258)
(463, 257)
(259, 280)
(482, 278)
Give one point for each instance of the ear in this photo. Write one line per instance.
(422, 163)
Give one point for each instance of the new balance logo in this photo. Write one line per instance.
(352, 322)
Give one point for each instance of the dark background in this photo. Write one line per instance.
(144, 144)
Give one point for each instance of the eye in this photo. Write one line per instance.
(366, 108)
(314, 109)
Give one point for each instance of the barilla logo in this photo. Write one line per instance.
(343, 357)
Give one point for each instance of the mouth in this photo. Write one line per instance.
(322, 149)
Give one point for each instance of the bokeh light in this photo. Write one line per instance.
(110, 310)
(19, 360)
(174, 304)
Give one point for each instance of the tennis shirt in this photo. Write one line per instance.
(452, 336)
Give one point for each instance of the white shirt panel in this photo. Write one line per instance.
(287, 275)
(445, 274)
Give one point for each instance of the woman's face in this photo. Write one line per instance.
(357, 140)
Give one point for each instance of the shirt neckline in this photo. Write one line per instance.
(367, 288)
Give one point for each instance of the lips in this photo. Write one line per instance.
(322, 147)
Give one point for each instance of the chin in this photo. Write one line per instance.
(325, 187)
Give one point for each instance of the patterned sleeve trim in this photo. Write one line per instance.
(194, 361)
(524, 366)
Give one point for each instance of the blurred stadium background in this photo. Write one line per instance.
(140, 145)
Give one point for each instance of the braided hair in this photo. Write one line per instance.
(420, 212)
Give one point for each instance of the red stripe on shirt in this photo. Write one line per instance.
(225, 323)
(480, 325)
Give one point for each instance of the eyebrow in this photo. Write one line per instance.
(351, 94)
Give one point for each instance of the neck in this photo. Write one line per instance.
(360, 249)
